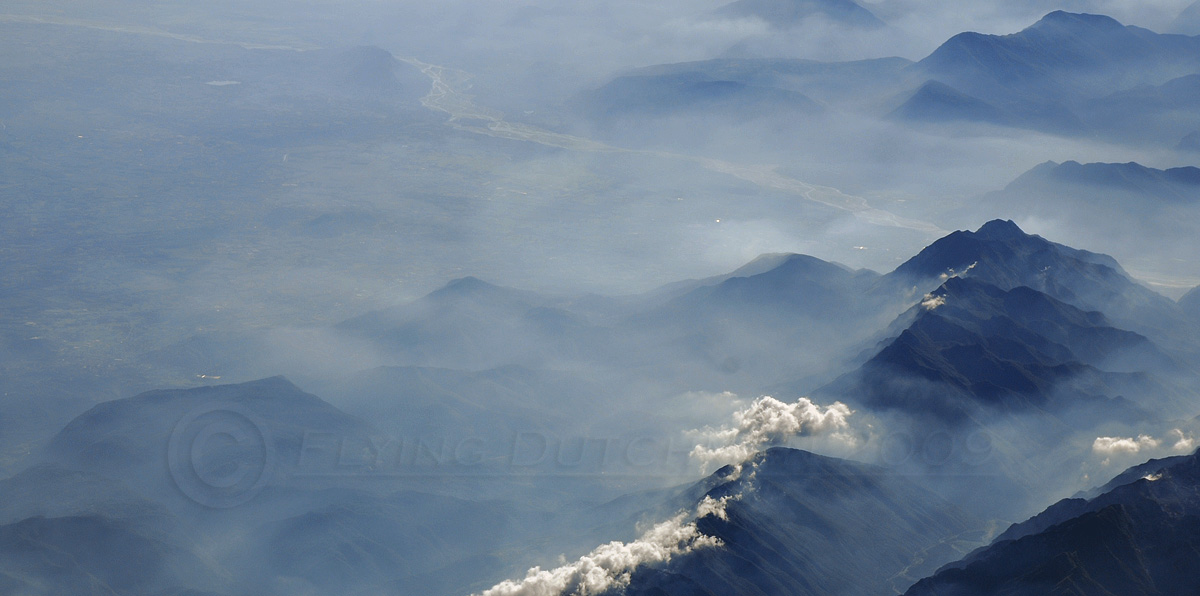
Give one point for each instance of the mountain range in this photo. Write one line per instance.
(1133, 211)
(997, 352)
(1138, 537)
(1068, 74)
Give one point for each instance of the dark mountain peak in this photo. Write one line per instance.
(1002, 230)
(1006, 256)
(1000, 241)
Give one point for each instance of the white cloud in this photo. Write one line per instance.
(1182, 443)
(612, 565)
(931, 302)
(769, 421)
(1120, 445)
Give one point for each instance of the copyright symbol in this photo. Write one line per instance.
(220, 456)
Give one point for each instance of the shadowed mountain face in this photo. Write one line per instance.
(799, 523)
(971, 344)
(787, 13)
(1141, 537)
(1001, 254)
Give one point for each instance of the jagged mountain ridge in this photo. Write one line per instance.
(785, 534)
(1140, 537)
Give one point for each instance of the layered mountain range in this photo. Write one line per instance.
(982, 338)
(1067, 74)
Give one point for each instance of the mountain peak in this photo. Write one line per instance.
(1001, 229)
(1078, 21)
(473, 288)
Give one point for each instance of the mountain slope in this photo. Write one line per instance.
(1044, 76)
(972, 345)
(90, 554)
(743, 326)
(1063, 55)
(1142, 537)
(800, 523)
(1003, 255)
(938, 102)
(129, 439)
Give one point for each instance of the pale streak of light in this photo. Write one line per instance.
(445, 98)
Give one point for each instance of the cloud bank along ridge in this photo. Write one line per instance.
(612, 565)
(765, 422)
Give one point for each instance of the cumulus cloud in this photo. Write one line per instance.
(612, 565)
(1146, 446)
(768, 421)
(1120, 445)
(931, 302)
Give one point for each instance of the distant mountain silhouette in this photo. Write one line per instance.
(1174, 185)
(1044, 76)
(472, 324)
(1065, 55)
(1191, 142)
(694, 91)
(745, 88)
(787, 13)
(938, 102)
(1188, 21)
